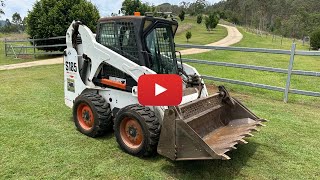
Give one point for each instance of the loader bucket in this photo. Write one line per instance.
(206, 128)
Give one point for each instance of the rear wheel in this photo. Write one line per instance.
(92, 114)
(137, 130)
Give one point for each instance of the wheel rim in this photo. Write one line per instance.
(85, 116)
(131, 133)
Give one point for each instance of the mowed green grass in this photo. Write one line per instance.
(39, 140)
(253, 40)
(200, 35)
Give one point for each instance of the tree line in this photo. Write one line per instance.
(17, 24)
(290, 18)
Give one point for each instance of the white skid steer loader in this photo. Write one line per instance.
(100, 83)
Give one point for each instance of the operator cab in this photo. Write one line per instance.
(147, 41)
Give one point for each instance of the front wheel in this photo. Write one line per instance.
(137, 130)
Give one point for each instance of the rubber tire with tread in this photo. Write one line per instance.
(101, 111)
(150, 127)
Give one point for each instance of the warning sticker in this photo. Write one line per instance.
(70, 85)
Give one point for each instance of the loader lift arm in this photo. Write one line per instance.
(101, 54)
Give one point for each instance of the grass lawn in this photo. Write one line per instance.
(39, 140)
(259, 59)
(200, 35)
(253, 40)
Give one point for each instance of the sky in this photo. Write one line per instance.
(106, 7)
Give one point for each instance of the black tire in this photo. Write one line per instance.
(150, 129)
(100, 110)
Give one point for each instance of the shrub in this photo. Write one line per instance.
(211, 22)
(315, 40)
(188, 35)
(182, 15)
(130, 6)
(52, 18)
(199, 19)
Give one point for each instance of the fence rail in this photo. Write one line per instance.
(286, 90)
(257, 50)
(258, 68)
(30, 47)
(12, 48)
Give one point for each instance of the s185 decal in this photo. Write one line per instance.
(71, 66)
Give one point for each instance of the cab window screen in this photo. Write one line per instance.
(160, 46)
(119, 37)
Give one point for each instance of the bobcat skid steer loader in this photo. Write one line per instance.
(100, 82)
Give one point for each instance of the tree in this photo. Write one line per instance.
(16, 19)
(1, 5)
(211, 21)
(200, 5)
(24, 23)
(199, 19)
(16, 23)
(53, 18)
(184, 5)
(188, 35)
(8, 23)
(182, 15)
(9, 27)
(131, 6)
(315, 40)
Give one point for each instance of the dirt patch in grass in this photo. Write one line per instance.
(213, 88)
(14, 36)
(184, 27)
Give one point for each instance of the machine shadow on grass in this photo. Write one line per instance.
(209, 169)
(108, 136)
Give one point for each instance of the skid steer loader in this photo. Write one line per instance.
(101, 74)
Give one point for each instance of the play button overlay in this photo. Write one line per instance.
(160, 90)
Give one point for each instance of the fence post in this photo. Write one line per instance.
(5, 46)
(290, 68)
(34, 48)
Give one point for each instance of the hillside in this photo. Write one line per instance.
(2, 23)
(200, 35)
(291, 18)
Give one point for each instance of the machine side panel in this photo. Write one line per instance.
(73, 85)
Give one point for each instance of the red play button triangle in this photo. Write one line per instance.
(159, 89)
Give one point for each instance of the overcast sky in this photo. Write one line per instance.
(106, 7)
